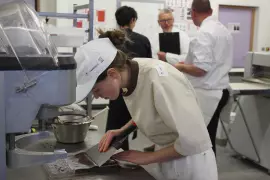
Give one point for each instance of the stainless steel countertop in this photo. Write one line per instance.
(50, 144)
(37, 173)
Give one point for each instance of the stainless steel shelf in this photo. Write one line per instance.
(63, 15)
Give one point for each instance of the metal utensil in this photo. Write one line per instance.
(103, 110)
(99, 158)
(71, 129)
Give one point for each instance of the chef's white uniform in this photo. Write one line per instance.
(212, 51)
(170, 57)
(165, 109)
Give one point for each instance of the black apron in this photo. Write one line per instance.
(213, 125)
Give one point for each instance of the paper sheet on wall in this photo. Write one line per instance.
(183, 26)
(179, 14)
(188, 14)
(178, 3)
(181, 9)
(182, 15)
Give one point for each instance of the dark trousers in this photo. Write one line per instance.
(213, 125)
(118, 116)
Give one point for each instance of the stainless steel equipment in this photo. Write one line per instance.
(58, 170)
(36, 82)
(71, 128)
(34, 79)
(249, 124)
(63, 168)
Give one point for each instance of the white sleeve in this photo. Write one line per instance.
(175, 58)
(184, 42)
(201, 48)
(184, 46)
(176, 104)
(155, 46)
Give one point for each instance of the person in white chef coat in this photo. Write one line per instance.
(166, 22)
(208, 63)
(162, 103)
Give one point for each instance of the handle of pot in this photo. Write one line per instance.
(100, 112)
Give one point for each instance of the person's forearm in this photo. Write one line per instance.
(175, 58)
(190, 69)
(130, 123)
(166, 154)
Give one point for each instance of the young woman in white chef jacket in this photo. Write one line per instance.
(162, 103)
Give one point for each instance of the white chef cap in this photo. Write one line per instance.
(92, 59)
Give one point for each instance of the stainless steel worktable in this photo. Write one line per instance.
(38, 172)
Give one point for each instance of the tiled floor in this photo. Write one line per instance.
(230, 168)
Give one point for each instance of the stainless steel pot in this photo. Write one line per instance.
(71, 128)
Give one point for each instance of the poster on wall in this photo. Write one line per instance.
(183, 26)
(178, 3)
(179, 14)
(182, 15)
(188, 14)
(234, 27)
(181, 9)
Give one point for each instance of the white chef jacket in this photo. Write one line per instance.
(170, 57)
(164, 107)
(212, 51)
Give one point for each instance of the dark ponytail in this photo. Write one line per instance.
(117, 37)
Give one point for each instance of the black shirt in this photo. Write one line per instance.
(139, 46)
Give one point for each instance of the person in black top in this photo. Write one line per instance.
(138, 46)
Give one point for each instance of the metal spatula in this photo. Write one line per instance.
(99, 158)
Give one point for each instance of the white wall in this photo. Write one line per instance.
(262, 25)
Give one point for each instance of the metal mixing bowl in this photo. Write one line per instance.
(71, 128)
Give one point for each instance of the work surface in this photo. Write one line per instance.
(38, 172)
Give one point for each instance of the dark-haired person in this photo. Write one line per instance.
(208, 64)
(162, 103)
(138, 46)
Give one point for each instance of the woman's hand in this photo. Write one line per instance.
(136, 157)
(144, 158)
(106, 140)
